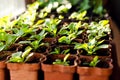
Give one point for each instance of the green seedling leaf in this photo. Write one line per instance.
(94, 62)
(16, 57)
(104, 22)
(26, 52)
(65, 51)
(64, 39)
(28, 57)
(64, 62)
(85, 5)
(103, 46)
(66, 57)
(56, 51)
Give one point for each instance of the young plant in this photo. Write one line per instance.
(73, 27)
(79, 16)
(67, 39)
(58, 51)
(24, 31)
(92, 46)
(50, 25)
(64, 8)
(98, 30)
(6, 24)
(20, 56)
(95, 5)
(6, 40)
(28, 18)
(64, 62)
(69, 32)
(92, 63)
(35, 41)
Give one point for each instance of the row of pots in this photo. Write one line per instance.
(45, 70)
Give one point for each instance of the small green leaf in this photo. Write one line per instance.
(28, 57)
(103, 46)
(26, 52)
(104, 22)
(66, 57)
(16, 57)
(94, 62)
(63, 32)
(65, 51)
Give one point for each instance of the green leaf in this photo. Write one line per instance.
(66, 57)
(80, 32)
(25, 42)
(81, 46)
(63, 32)
(64, 39)
(2, 46)
(78, 15)
(28, 57)
(56, 51)
(16, 57)
(98, 7)
(103, 46)
(35, 44)
(26, 52)
(84, 5)
(2, 36)
(94, 62)
(92, 42)
(64, 62)
(65, 51)
(74, 2)
(104, 22)
(100, 42)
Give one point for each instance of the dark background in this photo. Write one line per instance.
(114, 10)
(113, 7)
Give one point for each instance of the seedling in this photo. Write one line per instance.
(50, 25)
(58, 51)
(35, 41)
(92, 46)
(92, 63)
(20, 56)
(79, 15)
(6, 40)
(69, 32)
(64, 62)
(98, 30)
(28, 18)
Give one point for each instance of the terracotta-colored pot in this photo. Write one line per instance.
(26, 71)
(4, 74)
(2, 70)
(23, 71)
(94, 73)
(101, 72)
(58, 72)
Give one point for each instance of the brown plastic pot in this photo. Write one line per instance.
(4, 74)
(26, 71)
(101, 72)
(89, 73)
(58, 72)
(2, 70)
(23, 71)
